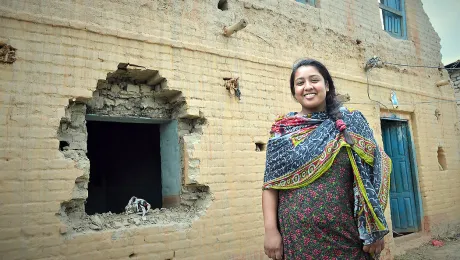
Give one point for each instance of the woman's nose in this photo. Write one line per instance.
(307, 86)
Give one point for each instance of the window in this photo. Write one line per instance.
(125, 161)
(132, 157)
(310, 2)
(393, 17)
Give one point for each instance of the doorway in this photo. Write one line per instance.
(404, 197)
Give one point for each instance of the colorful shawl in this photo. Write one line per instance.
(302, 148)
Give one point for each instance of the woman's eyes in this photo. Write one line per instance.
(300, 83)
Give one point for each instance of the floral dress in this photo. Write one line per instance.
(317, 222)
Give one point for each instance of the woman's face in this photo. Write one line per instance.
(310, 89)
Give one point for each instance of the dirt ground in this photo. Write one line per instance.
(450, 250)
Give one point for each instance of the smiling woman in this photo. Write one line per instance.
(319, 200)
(310, 90)
(312, 86)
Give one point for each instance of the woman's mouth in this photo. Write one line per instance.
(309, 95)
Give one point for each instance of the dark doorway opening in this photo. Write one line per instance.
(125, 161)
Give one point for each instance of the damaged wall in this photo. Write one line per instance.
(63, 50)
(131, 95)
(455, 77)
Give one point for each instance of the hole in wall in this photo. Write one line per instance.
(117, 139)
(7, 53)
(437, 114)
(63, 145)
(343, 98)
(233, 87)
(260, 147)
(132, 255)
(222, 5)
(442, 159)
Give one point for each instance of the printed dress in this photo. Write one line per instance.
(317, 221)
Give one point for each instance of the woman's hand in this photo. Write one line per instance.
(273, 244)
(375, 248)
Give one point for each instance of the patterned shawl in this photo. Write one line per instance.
(302, 148)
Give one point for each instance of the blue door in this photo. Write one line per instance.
(396, 141)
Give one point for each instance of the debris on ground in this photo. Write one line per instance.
(163, 216)
(437, 243)
(194, 203)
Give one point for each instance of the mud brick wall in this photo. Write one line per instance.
(64, 48)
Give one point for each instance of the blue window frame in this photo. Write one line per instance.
(310, 2)
(393, 16)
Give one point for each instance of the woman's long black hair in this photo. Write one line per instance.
(332, 104)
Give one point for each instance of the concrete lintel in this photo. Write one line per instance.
(136, 120)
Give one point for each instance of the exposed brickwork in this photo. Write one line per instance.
(455, 77)
(62, 50)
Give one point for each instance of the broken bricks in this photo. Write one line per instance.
(232, 85)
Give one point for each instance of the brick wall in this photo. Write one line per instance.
(64, 48)
(455, 77)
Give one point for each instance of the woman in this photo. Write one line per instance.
(326, 181)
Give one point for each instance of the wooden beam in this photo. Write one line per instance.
(234, 28)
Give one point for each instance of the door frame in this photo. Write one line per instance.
(414, 168)
(171, 168)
